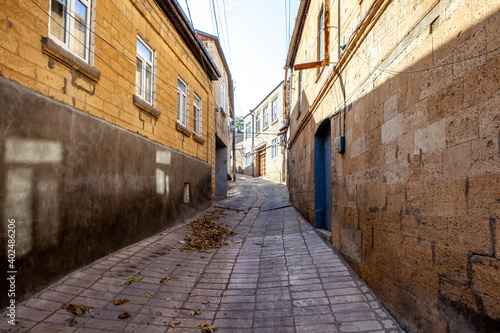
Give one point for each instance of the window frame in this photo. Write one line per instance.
(274, 149)
(321, 33)
(265, 118)
(223, 97)
(248, 130)
(69, 18)
(274, 110)
(141, 91)
(197, 115)
(257, 123)
(182, 103)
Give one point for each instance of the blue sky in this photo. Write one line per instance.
(255, 42)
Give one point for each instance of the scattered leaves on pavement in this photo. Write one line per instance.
(132, 280)
(124, 315)
(77, 309)
(195, 312)
(169, 299)
(207, 233)
(206, 302)
(192, 295)
(205, 328)
(162, 253)
(173, 323)
(147, 294)
(120, 301)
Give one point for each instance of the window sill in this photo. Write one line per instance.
(145, 106)
(183, 129)
(56, 51)
(198, 138)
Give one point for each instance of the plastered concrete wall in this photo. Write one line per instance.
(86, 166)
(80, 188)
(416, 194)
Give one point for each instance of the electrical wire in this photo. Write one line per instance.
(227, 35)
(133, 61)
(120, 74)
(389, 71)
(215, 14)
(189, 12)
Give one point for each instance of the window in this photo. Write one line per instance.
(265, 115)
(321, 35)
(274, 110)
(248, 159)
(222, 96)
(248, 130)
(70, 25)
(182, 113)
(197, 115)
(274, 151)
(144, 72)
(257, 124)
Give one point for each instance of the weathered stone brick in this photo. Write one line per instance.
(457, 161)
(430, 138)
(445, 102)
(392, 128)
(483, 193)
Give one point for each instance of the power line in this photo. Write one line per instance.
(227, 34)
(215, 14)
(189, 12)
(123, 54)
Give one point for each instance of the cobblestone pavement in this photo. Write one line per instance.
(275, 275)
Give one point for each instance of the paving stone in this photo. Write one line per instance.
(276, 275)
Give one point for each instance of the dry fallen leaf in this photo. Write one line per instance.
(132, 280)
(173, 323)
(124, 315)
(192, 295)
(147, 294)
(77, 309)
(169, 299)
(206, 302)
(120, 301)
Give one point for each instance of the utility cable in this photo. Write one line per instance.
(133, 61)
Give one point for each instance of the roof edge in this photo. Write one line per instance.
(297, 33)
(175, 14)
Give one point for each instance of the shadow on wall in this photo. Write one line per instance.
(80, 188)
(415, 197)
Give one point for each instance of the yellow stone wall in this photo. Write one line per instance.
(415, 195)
(116, 24)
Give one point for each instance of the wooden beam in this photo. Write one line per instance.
(308, 65)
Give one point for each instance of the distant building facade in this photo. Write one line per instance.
(263, 140)
(224, 106)
(107, 129)
(394, 153)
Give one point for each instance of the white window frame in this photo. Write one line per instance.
(321, 34)
(248, 130)
(274, 150)
(274, 110)
(257, 124)
(265, 117)
(197, 115)
(69, 18)
(140, 87)
(182, 103)
(223, 96)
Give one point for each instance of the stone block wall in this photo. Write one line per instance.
(416, 194)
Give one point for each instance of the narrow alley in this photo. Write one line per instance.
(275, 275)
